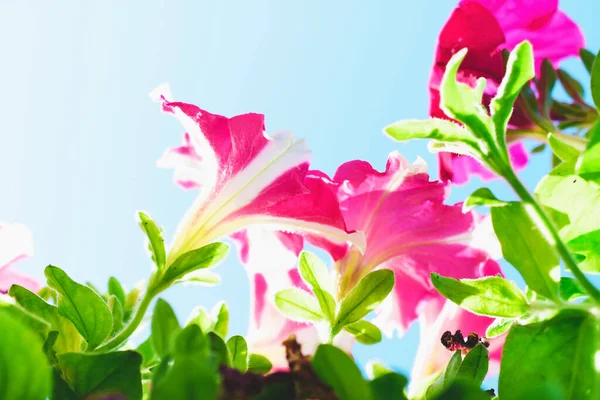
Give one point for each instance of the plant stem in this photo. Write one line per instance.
(126, 332)
(549, 227)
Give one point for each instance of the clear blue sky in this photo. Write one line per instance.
(79, 136)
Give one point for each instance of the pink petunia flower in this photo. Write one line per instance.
(16, 243)
(486, 27)
(246, 178)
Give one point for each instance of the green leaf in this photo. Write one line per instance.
(131, 302)
(389, 386)
(103, 374)
(519, 70)
(27, 319)
(526, 248)
(462, 390)
(298, 305)
(588, 59)
(191, 375)
(84, 308)
(116, 309)
(69, 338)
(587, 246)
(539, 148)
(115, 288)
(588, 165)
(570, 289)
(365, 297)
(222, 323)
(545, 85)
(149, 356)
(561, 148)
(24, 370)
(482, 197)
(201, 258)
(572, 87)
(238, 348)
(314, 272)
(498, 327)
(445, 380)
(596, 82)
(203, 277)
(165, 328)
(156, 241)
(337, 370)
(491, 295)
(202, 318)
(437, 129)
(259, 364)
(474, 366)
(561, 351)
(364, 332)
(219, 349)
(375, 369)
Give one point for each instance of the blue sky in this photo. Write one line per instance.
(79, 137)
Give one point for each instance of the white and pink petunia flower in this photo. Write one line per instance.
(16, 243)
(246, 178)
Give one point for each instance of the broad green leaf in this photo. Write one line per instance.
(115, 288)
(365, 297)
(595, 84)
(437, 129)
(499, 326)
(238, 349)
(24, 370)
(116, 309)
(191, 375)
(149, 356)
(462, 390)
(27, 319)
(222, 319)
(337, 370)
(165, 328)
(561, 148)
(201, 258)
(115, 373)
(491, 295)
(314, 272)
(519, 70)
(259, 364)
(588, 59)
(155, 239)
(572, 87)
(84, 308)
(481, 197)
(298, 305)
(219, 349)
(69, 339)
(389, 386)
(562, 351)
(570, 289)
(587, 247)
(474, 366)
(588, 165)
(364, 332)
(445, 380)
(526, 248)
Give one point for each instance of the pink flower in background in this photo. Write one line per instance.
(246, 178)
(16, 243)
(486, 27)
(409, 230)
(270, 258)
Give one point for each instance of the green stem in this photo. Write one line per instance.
(124, 334)
(549, 227)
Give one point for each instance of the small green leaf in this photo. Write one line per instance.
(389, 386)
(570, 289)
(561, 148)
(588, 165)
(545, 85)
(526, 248)
(149, 356)
(445, 380)
(491, 295)
(239, 352)
(314, 272)
(587, 246)
(165, 328)
(202, 277)
(588, 59)
(365, 297)
(157, 243)
(24, 370)
(222, 319)
(27, 319)
(437, 129)
(561, 352)
(115, 288)
(596, 82)
(116, 373)
(462, 390)
(376, 369)
(337, 370)
(219, 349)
(259, 364)
(572, 87)
(474, 366)
(482, 197)
(131, 302)
(201, 258)
(298, 305)
(116, 309)
(82, 306)
(202, 318)
(538, 149)
(498, 327)
(364, 332)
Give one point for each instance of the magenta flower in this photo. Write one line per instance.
(486, 27)
(16, 243)
(246, 178)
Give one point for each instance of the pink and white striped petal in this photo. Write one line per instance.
(16, 243)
